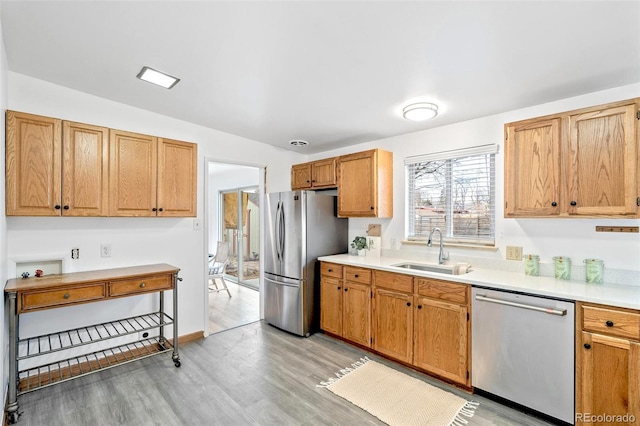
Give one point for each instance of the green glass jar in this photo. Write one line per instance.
(562, 267)
(532, 265)
(594, 270)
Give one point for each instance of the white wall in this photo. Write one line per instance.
(134, 241)
(575, 238)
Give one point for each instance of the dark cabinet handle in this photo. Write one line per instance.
(371, 207)
(346, 289)
(307, 180)
(609, 323)
(66, 207)
(154, 209)
(587, 346)
(66, 295)
(356, 275)
(160, 209)
(573, 203)
(408, 303)
(339, 287)
(419, 306)
(57, 207)
(554, 204)
(143, 285)
(313, 180)
(330, 270)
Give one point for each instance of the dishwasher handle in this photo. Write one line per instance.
(551, 311)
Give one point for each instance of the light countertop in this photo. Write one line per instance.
(624, 296)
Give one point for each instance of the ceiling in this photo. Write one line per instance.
(333, 73)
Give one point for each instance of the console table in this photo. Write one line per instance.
(145, 331)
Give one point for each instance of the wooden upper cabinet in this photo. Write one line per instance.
(301, 176)
(133, 174)
(365, 184)
(85, 171)
(177, 178)
(315, 175)
(532, 168)
(33, 150)
(602, 172)
(581, 163)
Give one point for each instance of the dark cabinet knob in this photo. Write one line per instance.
(154, 209)
(307, 180)
(57, 207)
(371, 207)
(554, 204)
(408, 303)
(330, 270)
(339, 287)
(587, 346)
(419, 306)
(346, 289)
(356, 275)
(609, 323)
(313, 180)
(160, 209)
(573, 203)
(66, 295)
(66, 207)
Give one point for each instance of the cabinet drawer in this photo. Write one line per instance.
(392, 281)
(140, 285)
(53, 298)
(442, 290)
(331, 270)
(359, 275)
(611, 321)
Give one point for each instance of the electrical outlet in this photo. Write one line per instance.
(514, 253)
(105, 250)
(75, 253)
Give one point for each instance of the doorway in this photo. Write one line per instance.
(234, 195)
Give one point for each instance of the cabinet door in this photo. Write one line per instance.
(393, 324)
(608, 377)
(441, 339)
(532, 169)
(132, 177)
(323, 173)
(85, 170)
(301, 176)
(602, 173)
(357, 183)
(33, 145)
(177, 178)
(331, 305)
(356, 324)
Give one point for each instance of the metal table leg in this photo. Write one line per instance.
(12, 406)
(175, 357)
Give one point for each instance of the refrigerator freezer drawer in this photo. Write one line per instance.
(283, 306)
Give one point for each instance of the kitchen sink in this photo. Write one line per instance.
(441, 269)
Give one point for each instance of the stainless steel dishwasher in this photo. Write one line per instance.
(522, 350)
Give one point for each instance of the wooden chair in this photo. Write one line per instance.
(217, 266)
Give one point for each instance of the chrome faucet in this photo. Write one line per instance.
(441, 256)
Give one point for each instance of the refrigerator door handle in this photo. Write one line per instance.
(282, 232)
(277, 233)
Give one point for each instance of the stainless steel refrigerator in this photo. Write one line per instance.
(300, 227)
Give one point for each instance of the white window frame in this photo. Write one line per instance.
(491, 150)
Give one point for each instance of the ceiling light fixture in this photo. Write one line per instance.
(298, 142)
(420, 111)
(156, 77)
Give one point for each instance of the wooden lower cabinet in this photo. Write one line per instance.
(345, 302)
(393, 324)
(331, 305)
(356, 325)
(441, 337)
(607, 366)
(419, 321)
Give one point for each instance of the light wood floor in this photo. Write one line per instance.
(243, 307)
(250, 375)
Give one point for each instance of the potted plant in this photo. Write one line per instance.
(360, 244)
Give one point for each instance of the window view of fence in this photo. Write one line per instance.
(455, 195)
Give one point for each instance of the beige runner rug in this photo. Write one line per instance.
(398, 399)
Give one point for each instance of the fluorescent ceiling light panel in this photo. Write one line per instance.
(156, 77)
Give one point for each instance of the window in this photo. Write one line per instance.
(453, 191)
